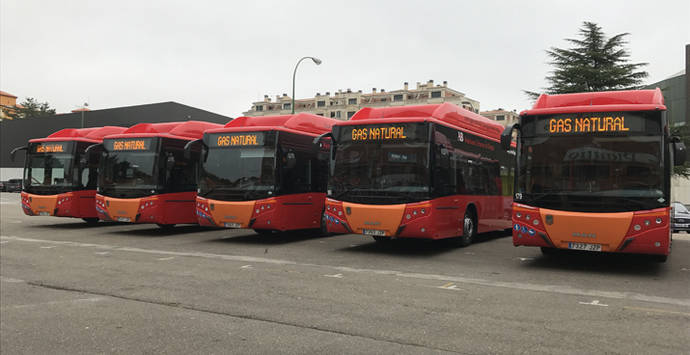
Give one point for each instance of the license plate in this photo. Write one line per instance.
(44, 213)
(584, 246)
(232, 225)
(124, 219)
(375, 232)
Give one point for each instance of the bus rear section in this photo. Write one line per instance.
(61, 173)
(265, 173)
(433, 171)
(594, 173)
(147, 178)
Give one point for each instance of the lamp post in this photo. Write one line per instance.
(86, 104)
(316, 61)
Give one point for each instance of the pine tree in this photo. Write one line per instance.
(595, 63)
(31, 108)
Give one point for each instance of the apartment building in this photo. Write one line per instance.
(502, 116)
(344, 103)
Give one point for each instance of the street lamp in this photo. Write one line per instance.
(316, 61)
(83, 108)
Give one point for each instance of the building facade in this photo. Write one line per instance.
(8, 103)
(343, 104)
(502, 116)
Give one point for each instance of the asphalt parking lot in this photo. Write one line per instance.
(67, 287)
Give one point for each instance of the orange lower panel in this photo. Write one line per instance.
(79, 204)
(629, 232)
(377, 217)
(173, 208)
(607, 229)
(281, 213)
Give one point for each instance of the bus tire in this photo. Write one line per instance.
(548, 251)
(90, 220)
(659, 258)
(469, 228)
(165, 226)
(323, 228)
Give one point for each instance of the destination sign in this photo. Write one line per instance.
(396, 132)
(378, 133)
(52, 147)
(128, 144)
(619, 122)
(236, 139)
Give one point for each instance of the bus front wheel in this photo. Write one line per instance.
(90, 220)
(548, 251)
(469, 229)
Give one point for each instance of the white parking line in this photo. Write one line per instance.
(556, 289)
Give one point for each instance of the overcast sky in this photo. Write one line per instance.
(223, 55)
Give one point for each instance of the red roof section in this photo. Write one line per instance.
(603, 101)
(91, 134)
(446, 114)
(304, 123)
(3, 93)
(188, 130)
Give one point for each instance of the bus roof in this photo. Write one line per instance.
(301, 123)
(445, 114)
(187, 130)
(603, 101)
(91, 134)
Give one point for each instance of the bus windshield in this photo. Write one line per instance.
(237, 174)
(381, 173)
(596, 172)
(129, 167)
(129, 170)
(49, 168)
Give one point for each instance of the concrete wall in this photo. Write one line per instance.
(680, 190)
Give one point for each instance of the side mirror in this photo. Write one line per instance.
(319, 138)
(291, 160)
(507, 135)
(679, 152)
(15, 150)
(188, 148)
(170, 162)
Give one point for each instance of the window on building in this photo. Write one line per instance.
(352, 101)
(259, 107)
(332, 114)
(320, 103)
(384, 99)
(435, 94)
(337, 114)
(397, 97)
(500, 118)
(350, 114)
(286, 106)
(320, 114)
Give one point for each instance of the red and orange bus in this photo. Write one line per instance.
(145, 175)
(60, 175)
(265, 173)
(432, 171)
(593, 173)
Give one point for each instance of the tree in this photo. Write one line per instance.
(683, 132)
(595, 63)
(31, 108)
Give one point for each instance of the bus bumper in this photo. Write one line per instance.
(78, 204)
(643, 232)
